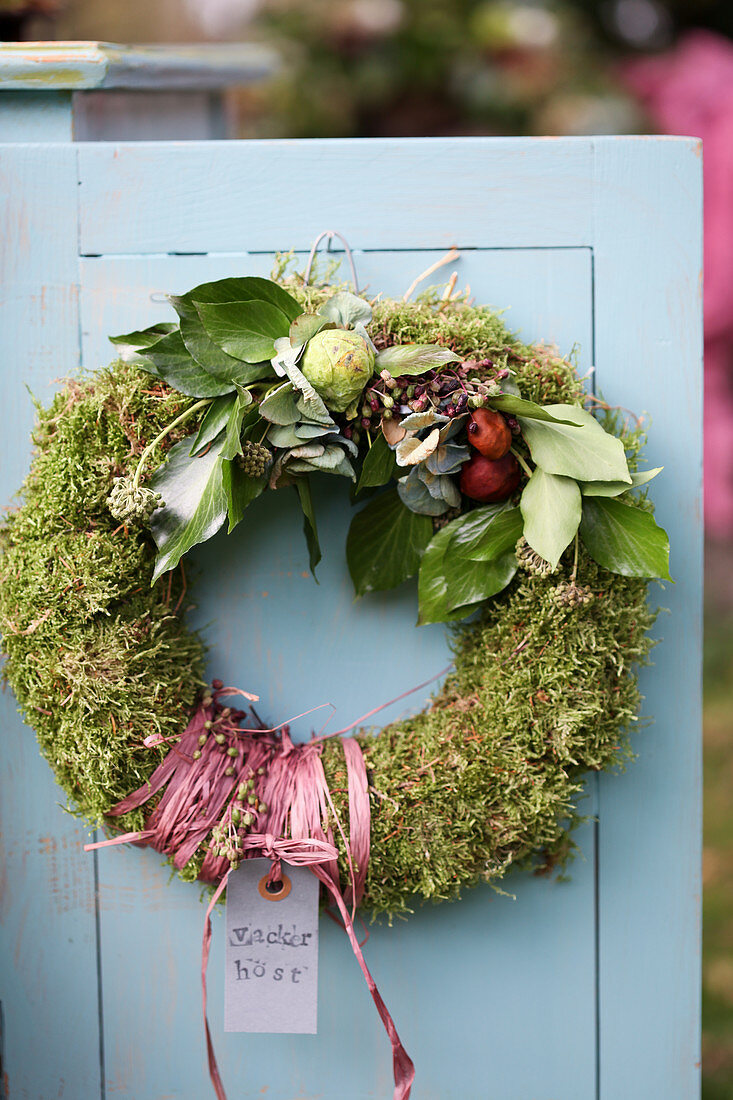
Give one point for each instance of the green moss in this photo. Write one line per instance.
(488, 777)
(97, 659)
(484, 780)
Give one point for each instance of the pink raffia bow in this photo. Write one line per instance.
(197, 792)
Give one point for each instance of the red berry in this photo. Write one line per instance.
(489, 480)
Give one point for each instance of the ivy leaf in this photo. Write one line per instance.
(208, 354)
(485, 533)
(172, 363)
(195, 503)
(409, 359)
(480, 560)
(551, 507)
(624, 538)
(385, 543)
(518, 406)
(310, 529)
(615, 488)
(133, 342)
(433, 583)
(232, 442)
(214, 421)
(244, 330)
(379, 465)
(588, 454)
(240, 490)
(345, 308)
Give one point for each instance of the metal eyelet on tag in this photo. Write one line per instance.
(275, 891)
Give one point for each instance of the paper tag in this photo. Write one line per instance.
(271, 979)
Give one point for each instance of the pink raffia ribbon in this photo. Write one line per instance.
(198, 795)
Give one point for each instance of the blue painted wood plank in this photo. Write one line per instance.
(384, 193)
(47, 902)
(470, 986)
(648, 277)
(34, 116)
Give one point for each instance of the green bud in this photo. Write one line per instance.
(231, 751)
(251, 799)
(338, 363)
(263, 807)
(248, 820)
(236, 815)
(229, 771)
(197, 754)
(220, 738)
(208, 724)
(388, 401)
(202, 739)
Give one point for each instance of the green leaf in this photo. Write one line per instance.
(304, 328)
(244, 330)
(232, 441)
(132, 342)
(195, 503)
(624, 538)
(517, 406)
(385, 543)
(479, 580)
(379, 464)
(199, 344)
(310, 529)
(433, 583)
(280, 405)
(480, 559)
(240, 490)
(551, 507)
(615, 488)
(485, 533)
(588, 454)
(214, 421)
(409, 359)
(345, 309)
(171, 361)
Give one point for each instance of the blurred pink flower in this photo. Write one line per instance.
(690, 91)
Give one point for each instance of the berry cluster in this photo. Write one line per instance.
(570, 595)
(451, 391)
(255, 459)
(531, 561)
(226, 838)
(129, 502)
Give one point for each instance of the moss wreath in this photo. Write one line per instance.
(543, 687)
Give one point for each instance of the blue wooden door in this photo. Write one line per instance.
(580, 990)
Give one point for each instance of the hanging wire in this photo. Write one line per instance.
(329, 234)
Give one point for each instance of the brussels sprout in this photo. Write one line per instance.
(338, 364)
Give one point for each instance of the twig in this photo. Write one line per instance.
(447, 259)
